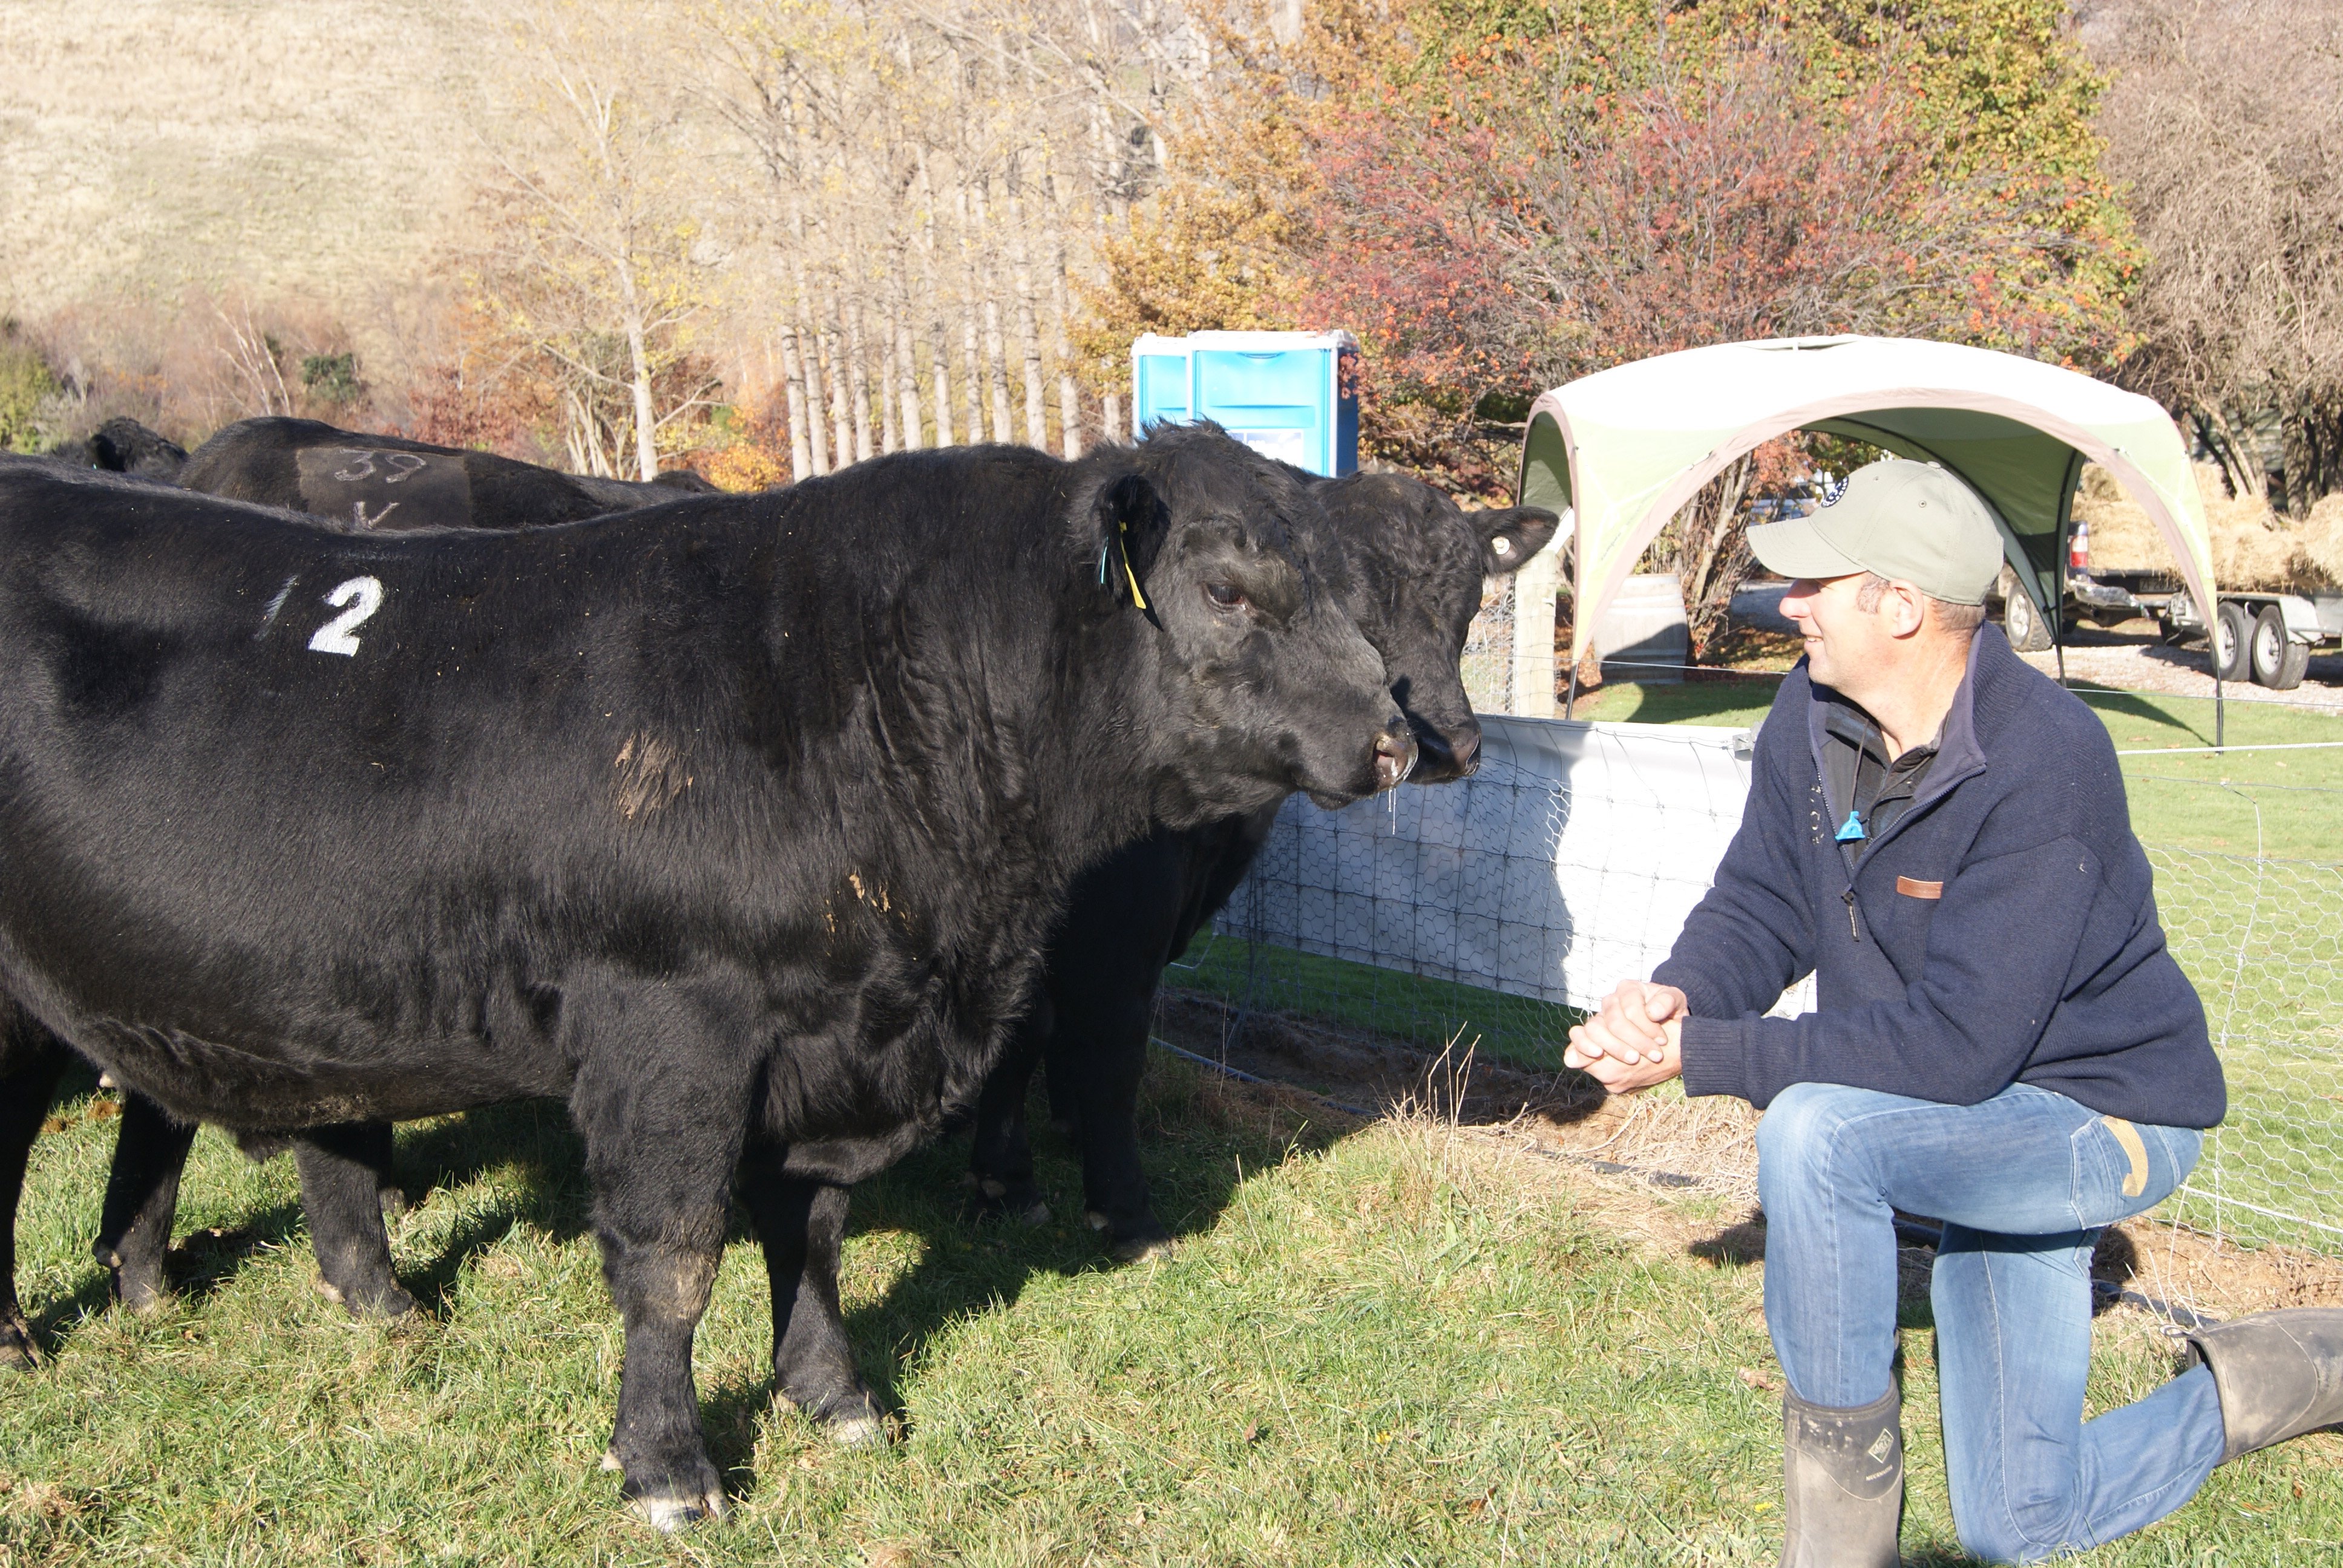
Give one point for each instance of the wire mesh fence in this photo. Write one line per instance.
(1490, 912)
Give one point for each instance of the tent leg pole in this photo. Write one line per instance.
(2220, 718)
(1570, 698)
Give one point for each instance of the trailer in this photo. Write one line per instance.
(2270, 637)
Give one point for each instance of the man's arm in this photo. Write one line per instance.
(2001, 944)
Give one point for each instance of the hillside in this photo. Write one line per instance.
(318, 149)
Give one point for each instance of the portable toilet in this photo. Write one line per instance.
(1291, 396)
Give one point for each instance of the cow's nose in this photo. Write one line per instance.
(1445, 754)
(1394, 757)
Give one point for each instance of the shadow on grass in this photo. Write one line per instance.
(1199, 1155)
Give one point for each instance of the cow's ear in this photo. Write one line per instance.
(1133, 524)
(1510, 536)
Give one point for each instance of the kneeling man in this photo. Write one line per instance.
(2002, 1041)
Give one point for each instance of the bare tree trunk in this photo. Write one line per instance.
(842, 429)
(939, 352)
(817, 398)
(996, 367)
(858, 387)
(638, 361)
(908, 372)
(939, 342)
(889, 437)
(1110, 404)
(801, 447)
(1070, 394)
(2240, 463)
(972, 376)
(1028, 335)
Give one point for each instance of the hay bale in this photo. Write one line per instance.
(2122, 538)
(2253, 547)
(2319, 542)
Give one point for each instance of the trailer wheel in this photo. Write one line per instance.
(2279, 661)
(2233, 629)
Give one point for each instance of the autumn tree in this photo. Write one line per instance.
(592, 228)
(2225, 116)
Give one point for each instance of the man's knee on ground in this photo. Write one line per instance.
(2019, 1533)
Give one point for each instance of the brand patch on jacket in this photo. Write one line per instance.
(1914, 888)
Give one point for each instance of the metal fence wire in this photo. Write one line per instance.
(1489, 911)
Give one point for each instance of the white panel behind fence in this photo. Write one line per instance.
(1566, 864)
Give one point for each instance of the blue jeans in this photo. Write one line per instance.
(2024, 1183)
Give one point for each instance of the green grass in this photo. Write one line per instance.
(1375, 1346)
(1426, 1013)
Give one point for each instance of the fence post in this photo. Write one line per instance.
(1534, 587)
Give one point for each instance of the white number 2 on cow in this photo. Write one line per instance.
(364, 597)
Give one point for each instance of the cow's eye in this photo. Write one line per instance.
(1225, 596)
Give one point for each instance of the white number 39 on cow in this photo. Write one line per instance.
(364, 597)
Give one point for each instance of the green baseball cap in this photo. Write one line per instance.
(1908, 522)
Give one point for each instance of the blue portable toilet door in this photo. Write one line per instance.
(1278, 402)
(1161, 393)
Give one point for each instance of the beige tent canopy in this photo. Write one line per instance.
(1625, 448)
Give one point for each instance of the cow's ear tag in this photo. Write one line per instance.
(1851, 830)
(1119, 543)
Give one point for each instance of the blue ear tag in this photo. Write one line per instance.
(1851, 830)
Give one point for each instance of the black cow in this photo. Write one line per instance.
(1419, 562)
(392, 483)
(738, 822)
(369, 482)
(123, 446)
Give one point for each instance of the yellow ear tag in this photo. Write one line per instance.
(1137, 598)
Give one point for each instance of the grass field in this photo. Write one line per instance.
(1383, 1345)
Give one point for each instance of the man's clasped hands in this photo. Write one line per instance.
(1634, 1040)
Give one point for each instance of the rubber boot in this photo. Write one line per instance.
(2280, 1374)
(1842, 1484)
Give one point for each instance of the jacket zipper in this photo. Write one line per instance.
(1851, 930)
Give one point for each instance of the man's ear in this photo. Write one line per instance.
(1133, 524)
(1510, 536)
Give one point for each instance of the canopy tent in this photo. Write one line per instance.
(1624, 449)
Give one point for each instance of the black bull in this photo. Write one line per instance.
(1418, 563)
(738, 823)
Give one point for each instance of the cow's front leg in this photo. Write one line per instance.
(31, 1061)
(802, 1225)
(142, 1196)
(662, 1123)
(341, 1191)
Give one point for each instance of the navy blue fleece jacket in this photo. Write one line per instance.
(2003, 929)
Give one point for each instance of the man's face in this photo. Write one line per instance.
(1843, 640)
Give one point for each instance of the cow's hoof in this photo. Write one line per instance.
(857, 1432)
(672, 1511)
(389, 1303)
(998, 1199)
(17, 1351)
(144, 1297)
(393, 1202)
(677, 1501)
(1140, 1248)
